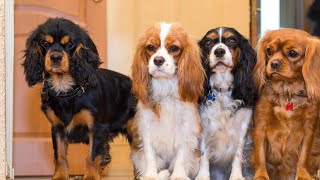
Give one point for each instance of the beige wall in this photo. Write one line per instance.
(128, 19)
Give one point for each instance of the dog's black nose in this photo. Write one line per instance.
(219, 52)
(158, 60)
(275, 64)
(56, 57)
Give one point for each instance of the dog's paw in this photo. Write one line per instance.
(261, 178)
(236, 177)
(304, 178)
(261, 174)
(91, 177)
(150, 178)
(164, 174)
(60, 176)
(202, 178)
(303, 174)
(179, 178)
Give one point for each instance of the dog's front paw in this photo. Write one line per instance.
(261, 178)
(91, 176)
(150, 178)
(164, 174)
(202, 178)
(173, 177)
(303, 174)
(236, 177)
(60, 176)
(261, 174)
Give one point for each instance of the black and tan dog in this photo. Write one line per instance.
(84, 104)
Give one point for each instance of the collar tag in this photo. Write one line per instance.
(211, 96)
(290, 106)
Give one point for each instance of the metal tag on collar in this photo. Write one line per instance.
(289, 105)
(211, 96)
(79, 93)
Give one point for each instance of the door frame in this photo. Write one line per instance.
(9, 59)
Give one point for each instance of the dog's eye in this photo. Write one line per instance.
(69, 45)
(269, 52)
(208, 43)
(150, 47)
(293, 54)
(174, 48)
(231, 41)
(45, 44)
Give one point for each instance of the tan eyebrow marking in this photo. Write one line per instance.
(212, 36)
(65, 40)
(49, 38)
(227, 34)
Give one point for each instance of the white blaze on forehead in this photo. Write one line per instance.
(220, 34)
(168, 68)
(164, 30)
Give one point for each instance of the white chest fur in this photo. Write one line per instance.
(176, 121)
(170, 137)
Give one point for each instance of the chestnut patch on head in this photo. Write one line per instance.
(227, 34)
(213, 36)
(152, 45)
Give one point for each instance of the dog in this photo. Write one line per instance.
(226, 112)
(83, 103)
(167, 79)
(286, 118)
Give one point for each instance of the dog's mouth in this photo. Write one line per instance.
(220, 67)
(278, 76)
(159, 73)
(57, 70)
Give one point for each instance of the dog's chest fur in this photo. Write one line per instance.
(174, 122)
(283, 127)
(221, 120)
(289, 100)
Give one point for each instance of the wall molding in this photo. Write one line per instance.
(9, 54)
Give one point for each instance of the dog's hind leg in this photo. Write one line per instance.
(60, 153)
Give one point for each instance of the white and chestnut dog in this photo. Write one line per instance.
(168, 80)
(230, 95)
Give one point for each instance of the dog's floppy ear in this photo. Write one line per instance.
(311, 66)
(140, 75)
(33, 60)
(259, 71)
(84, 62)
(206, 66)
(243, 84)
(191, 74)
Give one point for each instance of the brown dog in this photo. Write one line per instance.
(286, 132)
